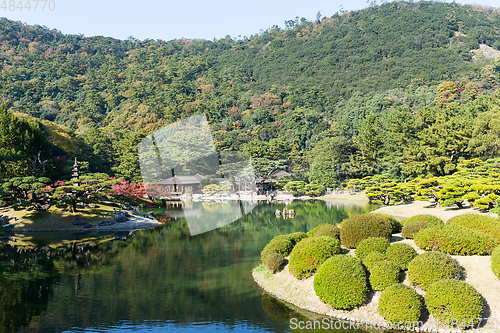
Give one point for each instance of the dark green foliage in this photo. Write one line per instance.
(314, 190)
(341, 282)
(273, 261)
(454, 301)
(295, 188)
(325, 230)
(395, 224)
(401, 254)
(384, 274)
(371, 244)
(372, 258)
(495, 261)
(359, 227)
(429, 267)
(430, 219)
(483, 223)
(310, 253)
(455, 240)
(410, 229)
(296, 237)
(400, 303)
(281, 244)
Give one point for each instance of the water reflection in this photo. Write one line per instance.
(156, 279)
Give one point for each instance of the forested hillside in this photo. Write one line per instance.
(377, 88)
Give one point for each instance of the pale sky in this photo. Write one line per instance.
(169, 19)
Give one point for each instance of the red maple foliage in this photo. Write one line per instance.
(132, 190)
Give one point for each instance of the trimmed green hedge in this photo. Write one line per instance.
(495, 261)
(455, 240)
(400, 304)
(371, 244)
(431, 219)
(372, 258)
(430, 267)
(454, 301)
(325, 230)
(281, 244)
(274, 262)
(384, 274)
(310, 253)
(296, 237)
(401, 254)
(395, 224)
(410, 230)
(341, 282)
(358, 227)
(483, 223)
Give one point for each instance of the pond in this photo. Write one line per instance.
(155, 280)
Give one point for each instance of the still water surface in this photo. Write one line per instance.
(159, 280)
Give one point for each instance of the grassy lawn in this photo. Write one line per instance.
(57, 218)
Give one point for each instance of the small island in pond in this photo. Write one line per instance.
(416, 273)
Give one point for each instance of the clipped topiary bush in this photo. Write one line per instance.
(310, 253)
(410, 229)
(483, 223)
(395, 224)
(359, 227)
(430, 219)
(401, 254)
(454, 302)
(495, 261)
(455, 240)
(296, 237)
(371, 244)
(372, 258)
(274, 261)
(341, 282)
(325, 230)
(384, 274)
(400, 303)
(430, 267)
(280, 244)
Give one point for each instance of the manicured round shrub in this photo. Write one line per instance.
(483, 223)
(372, 258)
(430, 219)
(296, 237)
(395, 224)
(359, 227)
(325, 230)
(454, 301)
(274, 261)
(400, 303)
(341, 282)
(410, 229)
(280, 244)
(430, 267)
(455, 240)
(495, 261)
(310, 253)
(384, 274)
(401, 254)
(371, 244)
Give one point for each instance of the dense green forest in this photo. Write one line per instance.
(386, 89)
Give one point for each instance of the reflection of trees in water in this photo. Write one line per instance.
(22, 300)
(160, 274)
(28, 275)
(281, 311)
